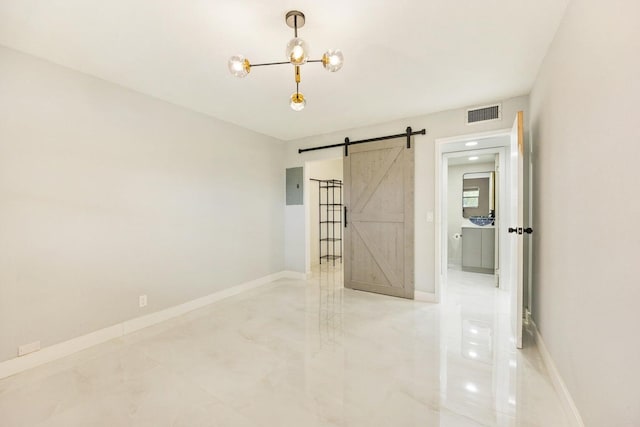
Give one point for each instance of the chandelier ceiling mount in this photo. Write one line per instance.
(295, 19)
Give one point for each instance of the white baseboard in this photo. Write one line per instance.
(58, 351)
(565, 397)
(295, 275)
(66, 348)
(424, 296)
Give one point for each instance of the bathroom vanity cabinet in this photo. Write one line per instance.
(478, 249)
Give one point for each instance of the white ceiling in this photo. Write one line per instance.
(486, 158)
(485, 149)
(402, 58)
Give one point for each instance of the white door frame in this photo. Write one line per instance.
(444, 146)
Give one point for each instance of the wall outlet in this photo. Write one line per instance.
(143, 300)
(28, 348)
(430, 216)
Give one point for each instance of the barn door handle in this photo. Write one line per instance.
(345, 217)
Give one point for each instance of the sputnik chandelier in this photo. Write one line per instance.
(297, 54)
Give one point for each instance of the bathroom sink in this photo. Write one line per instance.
(481, 220)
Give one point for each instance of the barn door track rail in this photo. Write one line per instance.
(407, 134)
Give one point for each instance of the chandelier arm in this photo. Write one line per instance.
(270, 63)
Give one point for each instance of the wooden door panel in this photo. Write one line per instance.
(385, 244)
(386, 198)
(379, 236)
(377, 217)
(364, 166)
(365, 267)
(388, 171)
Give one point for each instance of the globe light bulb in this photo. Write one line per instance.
(297, 51)
(239, 66)
(297, 101)
(332, 60)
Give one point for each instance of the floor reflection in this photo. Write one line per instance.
(479, 361)
(302, 353)
(330, 295)
(457, 364)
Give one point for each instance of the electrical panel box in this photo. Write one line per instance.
(295, 185)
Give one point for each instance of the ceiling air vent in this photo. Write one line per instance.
(484, 114)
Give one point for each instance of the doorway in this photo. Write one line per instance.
(472, 212)
(455, 230)
(468, 154)
(323, 240)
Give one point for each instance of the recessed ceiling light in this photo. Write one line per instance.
(471, 144)
(472, 158)
(473, 354)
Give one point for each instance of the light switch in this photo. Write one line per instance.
(430, 216)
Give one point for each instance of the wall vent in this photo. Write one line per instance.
(484, 114)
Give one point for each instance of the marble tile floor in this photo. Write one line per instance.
(303, 353)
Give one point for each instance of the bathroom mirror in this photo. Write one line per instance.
(478, 191)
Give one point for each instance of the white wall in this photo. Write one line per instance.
(106, 194)
(438, 125)
(455, 220)
(327, 169)
(586, 141)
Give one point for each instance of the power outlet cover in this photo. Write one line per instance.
(143, 301)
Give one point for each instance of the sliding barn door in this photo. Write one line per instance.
(378, 183)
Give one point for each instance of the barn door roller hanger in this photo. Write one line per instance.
(407, 134)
